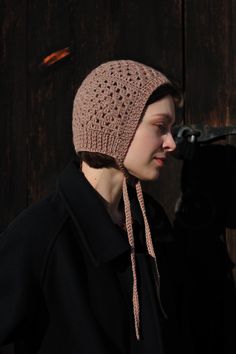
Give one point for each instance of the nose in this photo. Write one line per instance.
(169, 143)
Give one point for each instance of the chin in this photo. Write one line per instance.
(153, 179)
(148, 176)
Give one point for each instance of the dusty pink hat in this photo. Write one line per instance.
(107, 109)
(109, 104)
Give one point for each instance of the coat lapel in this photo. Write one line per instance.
(98, 233)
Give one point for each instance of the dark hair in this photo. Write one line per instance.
(98, 160)
(165, 90)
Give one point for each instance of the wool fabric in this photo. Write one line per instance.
(109, 104)
(107, 109)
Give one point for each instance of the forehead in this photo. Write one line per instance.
(164, 108)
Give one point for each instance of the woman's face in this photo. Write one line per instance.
(152, 140)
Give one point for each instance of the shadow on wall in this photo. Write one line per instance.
(207, 293)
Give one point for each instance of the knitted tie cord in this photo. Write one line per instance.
(106, 112)
(150, 249)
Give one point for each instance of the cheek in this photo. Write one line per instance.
(142, 147)
(136, 149)
(146, 142)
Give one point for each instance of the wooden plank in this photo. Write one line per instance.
(207, 58)
(13, 106)
(50, 95)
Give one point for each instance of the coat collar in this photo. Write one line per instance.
(100, 236)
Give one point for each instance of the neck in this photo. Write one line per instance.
(108, 183)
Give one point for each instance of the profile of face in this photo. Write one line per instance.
(152, 141)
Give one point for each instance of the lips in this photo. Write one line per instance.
(160, 160)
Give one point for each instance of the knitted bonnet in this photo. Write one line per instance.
(107, 109)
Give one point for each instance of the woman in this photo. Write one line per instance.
(78, 271)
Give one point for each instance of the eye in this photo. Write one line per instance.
(162, 128)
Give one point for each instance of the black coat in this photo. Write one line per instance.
(66, 280)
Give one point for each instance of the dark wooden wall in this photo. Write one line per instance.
(192, 41)
(36, 102)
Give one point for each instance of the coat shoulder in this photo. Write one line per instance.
(42, 217)
(33, 230)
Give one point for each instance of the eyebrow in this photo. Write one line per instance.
(168, 116)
